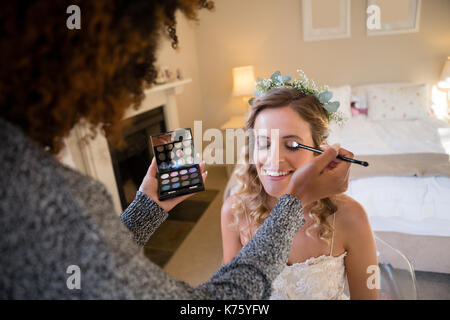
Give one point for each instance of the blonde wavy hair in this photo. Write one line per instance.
(251, 199)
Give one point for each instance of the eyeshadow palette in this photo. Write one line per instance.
(178, 172)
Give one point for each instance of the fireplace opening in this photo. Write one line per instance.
(131, 163)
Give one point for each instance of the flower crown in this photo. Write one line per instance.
(303, 84)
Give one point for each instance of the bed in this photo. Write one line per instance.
(406, 189)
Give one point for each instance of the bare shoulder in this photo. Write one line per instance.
(227, 211)
(353, 218)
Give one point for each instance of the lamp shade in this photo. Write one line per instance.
(444, 81)
(243, 81)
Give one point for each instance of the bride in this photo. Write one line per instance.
(336, 241)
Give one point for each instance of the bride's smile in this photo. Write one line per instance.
(275, 175)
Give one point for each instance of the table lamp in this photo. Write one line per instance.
(243, 83)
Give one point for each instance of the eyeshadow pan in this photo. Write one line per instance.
(173, 163)
(195, 181)
(185, 183)
(179, 153)
(174, 174)
(164, 176)
(165, 181)
(176, 185)
(164, 165)
(162, 156)
(184, 177)
(186, 143)
(175, 179)
(164, 188)
(192, 169)
(172, 155)
(194, 175)
(178, 145)
(183, 171)
(169, 146)
(160, 148)
(188, 151)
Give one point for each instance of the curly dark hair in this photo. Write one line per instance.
(53, 77)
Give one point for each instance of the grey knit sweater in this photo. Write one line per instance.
(52, 217)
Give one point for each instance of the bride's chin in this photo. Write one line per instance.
(274, 191)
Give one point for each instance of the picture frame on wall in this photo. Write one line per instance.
(396, 17)
(319, 24)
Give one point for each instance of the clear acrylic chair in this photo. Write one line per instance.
(397, 275)
(398, 279)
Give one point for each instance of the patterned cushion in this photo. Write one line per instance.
(407, 103)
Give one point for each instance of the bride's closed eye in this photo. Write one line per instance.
(292, 145)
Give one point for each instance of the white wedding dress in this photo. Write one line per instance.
(321, 278)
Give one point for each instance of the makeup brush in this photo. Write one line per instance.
(301, 146)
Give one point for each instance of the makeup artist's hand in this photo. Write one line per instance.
(150, 187)
(322, 177)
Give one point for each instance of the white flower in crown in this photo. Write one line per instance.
(303, 84)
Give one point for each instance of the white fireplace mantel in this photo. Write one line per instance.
(92, 156)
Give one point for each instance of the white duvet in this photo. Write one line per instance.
(401, 204)
(363, 136)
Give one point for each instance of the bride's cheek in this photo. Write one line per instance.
(259, 157)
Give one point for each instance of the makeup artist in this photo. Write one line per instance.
(55, 222)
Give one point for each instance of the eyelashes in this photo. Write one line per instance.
(292, 148)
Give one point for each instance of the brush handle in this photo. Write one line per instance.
(362, 163)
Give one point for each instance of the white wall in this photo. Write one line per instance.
(268, 35)
(185, 58)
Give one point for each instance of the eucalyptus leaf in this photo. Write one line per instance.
(250, 102)
(331, 106)
(324, 97)
(275, 75)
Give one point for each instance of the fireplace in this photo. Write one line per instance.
(131, 163)
(122, 171)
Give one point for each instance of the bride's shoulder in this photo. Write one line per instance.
(229, 207)
(351, 215)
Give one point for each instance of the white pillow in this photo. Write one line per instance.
(404, 103)
(359, 93)
(343, 95)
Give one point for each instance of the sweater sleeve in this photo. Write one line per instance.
(142, 217)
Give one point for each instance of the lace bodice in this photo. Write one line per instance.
(321, 278)
(317, 278)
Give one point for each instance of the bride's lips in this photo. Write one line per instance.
(276, 175)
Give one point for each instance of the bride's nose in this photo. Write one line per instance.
(274, 157)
